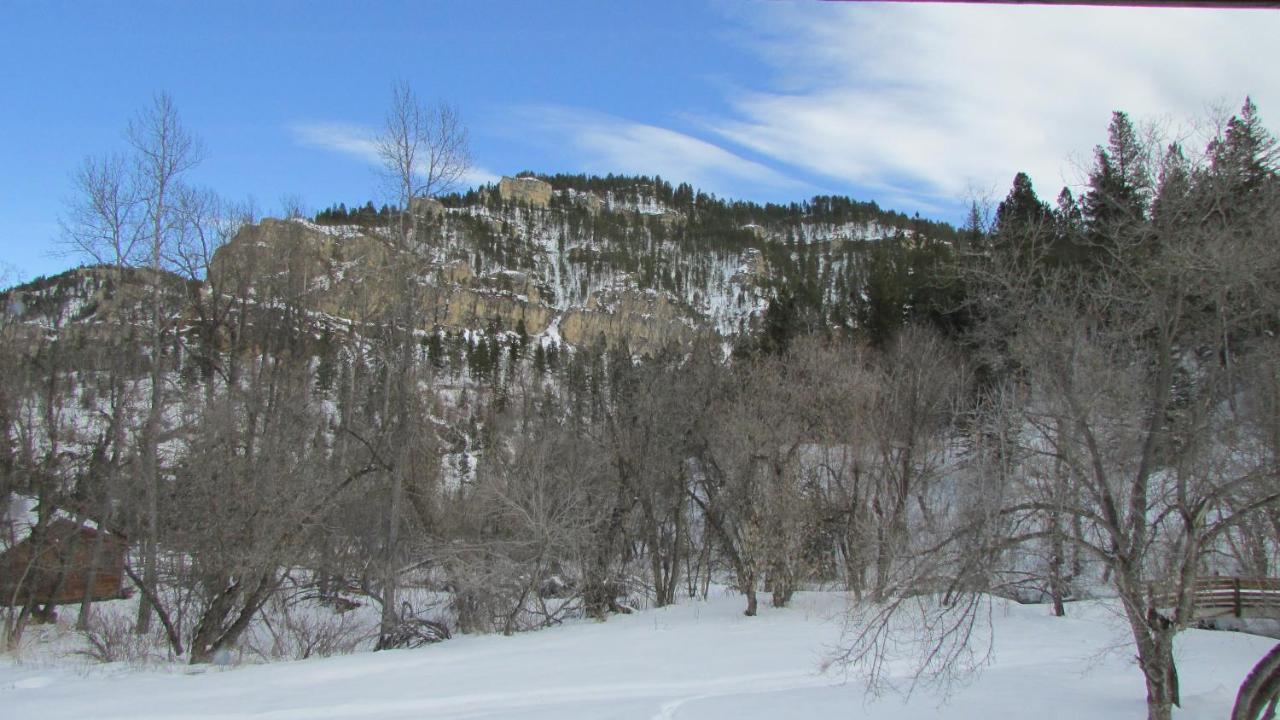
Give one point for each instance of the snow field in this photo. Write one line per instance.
(695, 660)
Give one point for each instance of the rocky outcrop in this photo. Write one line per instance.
(527, 190)
(427, 208)
(345, 272)
(645, 320)
(463, 307)
(504, 300)
(357, 274)
(588, 200)
(754, 269)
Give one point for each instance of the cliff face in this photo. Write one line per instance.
(357, 274)
(645, 320)
(530, 191)
(538, 271)
(344, 272)
(584, 263)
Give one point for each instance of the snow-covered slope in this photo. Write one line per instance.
(698, 660)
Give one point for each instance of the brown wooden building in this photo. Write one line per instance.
(54, 564)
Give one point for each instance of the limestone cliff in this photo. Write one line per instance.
(355, 274)
(347, 272)
(645, 320)
(527, 190)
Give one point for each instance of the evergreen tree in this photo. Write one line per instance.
(1244, 158)
(1119, 189)
(885, 296)
(1021, 213)
(973, 233)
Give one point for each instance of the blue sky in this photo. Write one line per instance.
(915, 106)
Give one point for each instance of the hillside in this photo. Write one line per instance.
(573, 259)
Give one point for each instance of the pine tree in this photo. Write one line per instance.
(1021, 212)
(973, 234)
(1119, 188)
(1246, 155)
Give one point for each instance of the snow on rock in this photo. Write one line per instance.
(697, 660)
(337, 231)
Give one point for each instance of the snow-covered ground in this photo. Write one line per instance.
(697, 660)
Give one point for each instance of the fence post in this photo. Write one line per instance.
(1235, 586)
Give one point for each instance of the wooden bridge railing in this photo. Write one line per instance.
(1233, 596)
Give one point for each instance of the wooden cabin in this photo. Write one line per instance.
(54, 564)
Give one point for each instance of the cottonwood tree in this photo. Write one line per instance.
(918, 384)
(162, 152)
(424, 151)
(747, 476)
(256, 478)
(653, 410)
(260, 464)
(536, 512)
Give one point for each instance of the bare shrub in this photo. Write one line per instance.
(113, 638)
(294, 630)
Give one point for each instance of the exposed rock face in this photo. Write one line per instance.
(503, 300)
(753, 270)
(645, 320)
(588, 200)
(531, 191)
(85, 307)
(319, 267)
(343, 272)
(461, 307)
(426, 208)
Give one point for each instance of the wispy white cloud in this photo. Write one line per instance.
(918, 104)
(931, 100)
(598, 142)
(361, 142)
(478, 175)
(345, 138)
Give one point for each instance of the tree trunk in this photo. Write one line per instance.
(1056, 551)
(747, 585)
(214, 634)
(782, 584)
(599, 593)
(1155, 659)
(882, 564)
(390, 570)
(150, 450)
(1258, 693)
(1162, 686)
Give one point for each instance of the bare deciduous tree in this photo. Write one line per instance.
(163, 151)
(423, 151)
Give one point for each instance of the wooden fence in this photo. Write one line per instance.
(1240, 597)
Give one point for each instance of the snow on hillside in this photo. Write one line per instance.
(698, 660)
